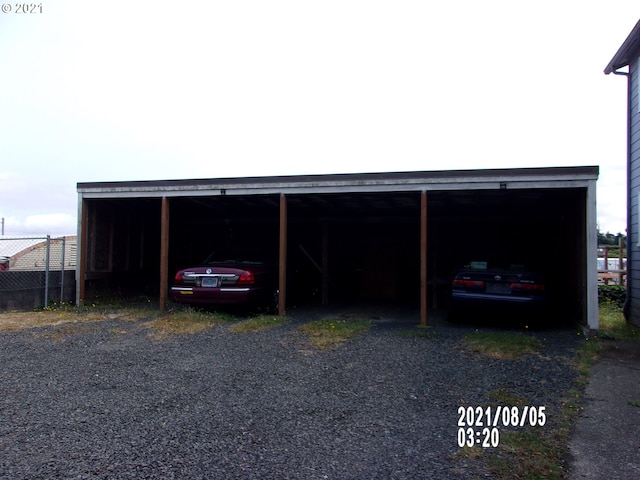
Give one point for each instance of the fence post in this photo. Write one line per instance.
(46, 272)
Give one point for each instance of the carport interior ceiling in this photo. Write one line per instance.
(371, 239)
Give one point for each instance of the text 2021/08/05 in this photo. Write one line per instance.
(480, 426)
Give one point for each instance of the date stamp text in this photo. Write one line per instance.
(480, 426)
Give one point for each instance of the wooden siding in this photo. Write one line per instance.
(34, 258)
(634, 185)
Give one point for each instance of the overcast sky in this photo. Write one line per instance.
(146, 90)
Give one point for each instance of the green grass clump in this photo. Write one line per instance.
(418, 332)
(502, 396)
(535, 453)
(502, 345)
(258, 323)
(613, 325)
(528, 454)
(184, 322)
(328, 333)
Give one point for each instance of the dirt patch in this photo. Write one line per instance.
(625, 350)
(15, 321)
(183, 323)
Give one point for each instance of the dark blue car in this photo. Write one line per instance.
(481, 285)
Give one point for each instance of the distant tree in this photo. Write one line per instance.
(609, 238)
(612, 243)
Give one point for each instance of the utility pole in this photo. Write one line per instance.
(3, 226)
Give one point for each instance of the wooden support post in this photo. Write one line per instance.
(282, 259)
(325, 263)
(83, 244)
(164, 254)
(112, 238)
(423, 258)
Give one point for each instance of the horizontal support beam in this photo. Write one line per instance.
(439, 187)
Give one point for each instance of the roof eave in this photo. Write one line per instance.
(627, 51)
(333, 183)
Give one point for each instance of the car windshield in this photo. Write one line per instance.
(488, 265)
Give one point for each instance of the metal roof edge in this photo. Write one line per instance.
(345, 179)
(630, 47)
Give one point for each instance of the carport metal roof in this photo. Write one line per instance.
(555, 177)
(457, 182)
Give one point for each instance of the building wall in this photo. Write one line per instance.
(35, 258)
(634, 199)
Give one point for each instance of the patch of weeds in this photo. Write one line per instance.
(470, 453)
(502, 345)
(132, 314)
(532, 453)
(529, 455)
(613, 325)
(502, 396)
(571, 402)
(258, 323)
(68, 319)
(117, 332)
(418, 332)
(60, 332)
(59, 306)
(15, 321)
(586, 354)
(329, 333)
(470, 459)
(541, 452)
(634, 403)
(69, 307)
(116, 301)
(185, 322)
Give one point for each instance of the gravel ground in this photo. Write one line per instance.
(107, 401)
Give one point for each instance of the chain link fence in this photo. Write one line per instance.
(36, 271)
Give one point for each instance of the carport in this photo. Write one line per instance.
(393, 237)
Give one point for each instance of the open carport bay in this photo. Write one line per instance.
(347, 247)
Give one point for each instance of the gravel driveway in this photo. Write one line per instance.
(108, 401)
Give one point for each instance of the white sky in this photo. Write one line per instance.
(145, 90)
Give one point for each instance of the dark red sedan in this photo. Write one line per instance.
(228, 278)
